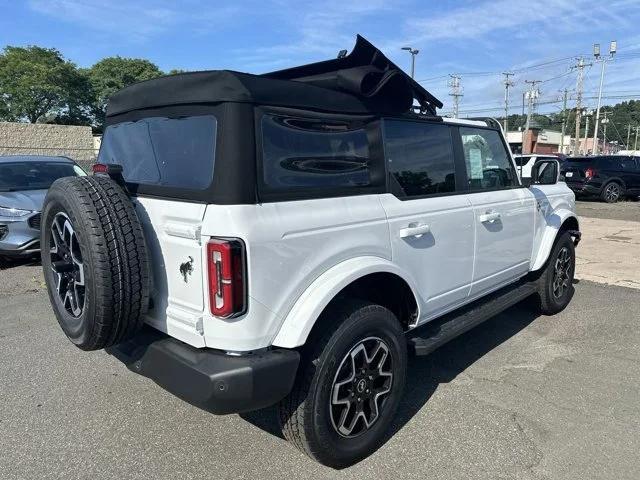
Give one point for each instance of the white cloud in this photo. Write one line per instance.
(131, 21)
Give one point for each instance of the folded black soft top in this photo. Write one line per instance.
(364, 81)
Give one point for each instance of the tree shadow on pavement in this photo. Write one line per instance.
(424, 374)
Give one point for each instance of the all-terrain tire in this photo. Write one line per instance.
(305, 415)
(106, 253)
(561, 262)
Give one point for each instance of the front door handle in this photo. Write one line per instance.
(489, 216)
(414, 230)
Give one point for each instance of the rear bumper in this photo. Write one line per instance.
(210, 379)
(583, 188)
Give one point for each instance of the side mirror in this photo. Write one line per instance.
(545, 172)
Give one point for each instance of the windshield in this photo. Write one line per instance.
(172, 152)
(16, 176)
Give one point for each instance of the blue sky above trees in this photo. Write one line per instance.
(477, 39)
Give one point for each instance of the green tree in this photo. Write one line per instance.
(113, 73)
(38, 83)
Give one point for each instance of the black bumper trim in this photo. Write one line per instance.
(210, 379)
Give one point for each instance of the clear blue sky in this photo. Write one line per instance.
(476, 38)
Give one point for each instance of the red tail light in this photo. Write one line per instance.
(100, 168)
(227, 286)
(589, 173)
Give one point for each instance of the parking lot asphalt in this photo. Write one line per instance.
(623, 210)
(521, 396)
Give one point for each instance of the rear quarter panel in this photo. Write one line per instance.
(289, 245)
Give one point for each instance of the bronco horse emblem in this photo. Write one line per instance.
(186, 268)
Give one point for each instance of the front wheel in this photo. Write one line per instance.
(349, 385)
(555, 284)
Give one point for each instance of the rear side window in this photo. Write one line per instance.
(628, 164)
(419, 157)
(610, 163)
(171, 152)
(300, 153)
(488, 164)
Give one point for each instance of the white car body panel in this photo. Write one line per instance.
(441, 259)
(504, 237)
(312, 302)
(289, 245)
(554, 205)
(172, 234)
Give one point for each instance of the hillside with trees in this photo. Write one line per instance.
(621, 116)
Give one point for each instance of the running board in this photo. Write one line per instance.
(425, 339)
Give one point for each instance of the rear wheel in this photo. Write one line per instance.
(348, 387)
(555, 283)
(611, 192)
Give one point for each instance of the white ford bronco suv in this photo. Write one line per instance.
(289, 238)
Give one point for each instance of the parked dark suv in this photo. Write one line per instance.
(608, 176)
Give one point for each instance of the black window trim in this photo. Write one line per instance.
(371, 124)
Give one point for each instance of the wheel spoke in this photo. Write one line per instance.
(361, 384)
(67, 265)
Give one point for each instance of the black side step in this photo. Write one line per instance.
(425, 339)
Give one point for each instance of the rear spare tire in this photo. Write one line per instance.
(94, 260)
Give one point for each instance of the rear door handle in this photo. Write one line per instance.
(414, 230)
(489, 217)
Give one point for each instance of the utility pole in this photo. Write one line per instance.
(635, 145)
(628, 136)
(507, 84)
(413, 52)
(613, 47)
(564, 119)
(605, 122)
(580, 66)
(456, 93)
(587, 114)
(532, 94)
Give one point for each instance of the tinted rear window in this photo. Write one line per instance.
(305, 153)
(172, 152)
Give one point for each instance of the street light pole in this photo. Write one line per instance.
(596, 53)
(413, 52)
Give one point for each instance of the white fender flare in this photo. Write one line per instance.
(554, 222)
(303, 315)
